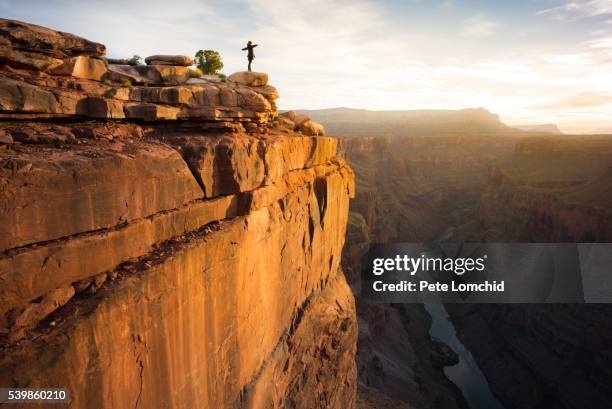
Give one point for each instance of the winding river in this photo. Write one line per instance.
(466, 374)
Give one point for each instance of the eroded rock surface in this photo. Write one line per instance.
(169, 246)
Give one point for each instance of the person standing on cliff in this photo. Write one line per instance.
(250, 53)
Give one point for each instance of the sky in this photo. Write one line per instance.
(530, 61)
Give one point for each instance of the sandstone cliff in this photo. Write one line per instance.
(164, 241)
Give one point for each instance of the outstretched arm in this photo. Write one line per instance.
(254, 45)
(244, 49)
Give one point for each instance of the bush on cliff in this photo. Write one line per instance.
(134, 60)
(209, 61)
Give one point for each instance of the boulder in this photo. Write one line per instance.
(122, 73)
(149, 74)
(311, 128)
(82, 67)
(165, 74)
(267, 91)
(32, 38)
(290, 115)
(286, 123)
(300, 120)
(248, 78)
(177, 60)
(252, 100)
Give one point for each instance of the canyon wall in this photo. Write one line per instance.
(504, 188)
(552, 189)
(166, 241)
(414, 189)
(555, 189)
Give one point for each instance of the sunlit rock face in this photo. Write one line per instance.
(169, 245)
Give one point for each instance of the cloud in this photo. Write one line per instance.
(572, 9)
(479, 26)
(603, 42)
(582, 100)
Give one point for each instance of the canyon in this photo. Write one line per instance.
(167, 239)
(422, 183)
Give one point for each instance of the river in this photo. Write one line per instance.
(466, 374)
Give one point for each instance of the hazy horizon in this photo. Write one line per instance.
(530, 61)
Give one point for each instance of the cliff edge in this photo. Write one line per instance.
(166, 241)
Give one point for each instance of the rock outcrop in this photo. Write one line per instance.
(166, 246)
(179, 60)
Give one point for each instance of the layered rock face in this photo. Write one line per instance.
(166, 246)
(503, 188)
(551, 190)
(411, 189)
(414, 188)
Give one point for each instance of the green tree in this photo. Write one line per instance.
(209, 61)
(135, 60)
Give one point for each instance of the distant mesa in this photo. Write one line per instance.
(362, 122)
(540, 128)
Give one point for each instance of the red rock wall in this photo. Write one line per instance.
(187, 264)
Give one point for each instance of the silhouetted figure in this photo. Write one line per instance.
(250, 54)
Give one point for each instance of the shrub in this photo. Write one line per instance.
(134, 60)
(126, 82)
(209, 61)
